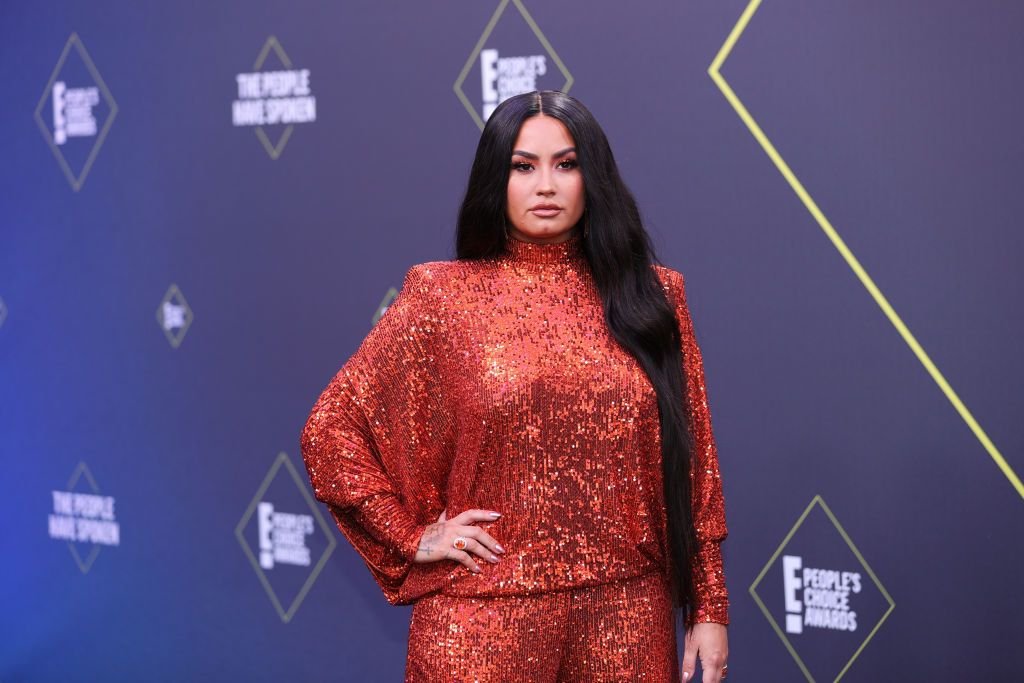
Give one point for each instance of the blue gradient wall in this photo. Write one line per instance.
(839, 182)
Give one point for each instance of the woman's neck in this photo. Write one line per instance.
(567, 251)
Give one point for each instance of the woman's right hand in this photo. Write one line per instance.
(436, 542)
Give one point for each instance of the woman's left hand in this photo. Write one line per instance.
(710, 642)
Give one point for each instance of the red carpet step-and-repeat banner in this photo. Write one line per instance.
(204, 207)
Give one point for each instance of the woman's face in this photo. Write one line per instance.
(545, 185)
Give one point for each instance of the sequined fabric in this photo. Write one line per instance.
(495, 384)
(619, 631)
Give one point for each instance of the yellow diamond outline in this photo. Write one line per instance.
(273, 150)
(175, 340)
(716, 75)
(569, 80)
(76, 181)
(382, 307)
(83, 470)
(282, 459)
(818, 500)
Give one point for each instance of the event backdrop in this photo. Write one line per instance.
(205, 206)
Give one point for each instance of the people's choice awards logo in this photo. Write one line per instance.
(282, 536)
(511, 57)
(174, 316)
(75, 112)
(285, 537)
(83, 518)
(273, 98)
(820, 596)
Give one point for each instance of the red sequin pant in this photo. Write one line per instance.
(619, 631)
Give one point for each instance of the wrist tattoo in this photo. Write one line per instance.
(430, 538)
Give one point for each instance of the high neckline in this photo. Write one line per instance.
(568, 251)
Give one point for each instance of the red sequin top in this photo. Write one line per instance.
(495, 384)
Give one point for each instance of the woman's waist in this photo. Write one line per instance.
(540, 569)
(569, 532)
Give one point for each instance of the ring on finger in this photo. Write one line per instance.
(460, 543)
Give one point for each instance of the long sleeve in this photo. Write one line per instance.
(378, 438)
(708, 502)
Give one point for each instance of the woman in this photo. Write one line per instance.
(522, 447)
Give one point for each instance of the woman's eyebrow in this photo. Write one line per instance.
(531, 155)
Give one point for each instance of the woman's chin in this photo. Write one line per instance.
(545, 233)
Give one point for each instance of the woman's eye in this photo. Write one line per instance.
(524, 166)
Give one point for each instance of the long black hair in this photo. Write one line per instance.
(620, 255)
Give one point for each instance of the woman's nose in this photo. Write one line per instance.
(546, 183)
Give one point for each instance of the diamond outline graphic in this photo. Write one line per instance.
(282, 459)
(83, 470)
(715, 71)
(175, 340)
(382, 307)
(273, 150)
(818, 500)
(76, 42)
(569, 80)
(3, 311)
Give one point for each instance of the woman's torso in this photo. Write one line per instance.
(556, 426)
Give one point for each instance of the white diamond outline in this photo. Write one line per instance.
(282, 459)
(174, 340)
(569, 80)
(83, 470)
(382, 307)
(275, 151)
(76, 182)
(860, 558)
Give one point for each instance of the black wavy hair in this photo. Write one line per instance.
(620, 255)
